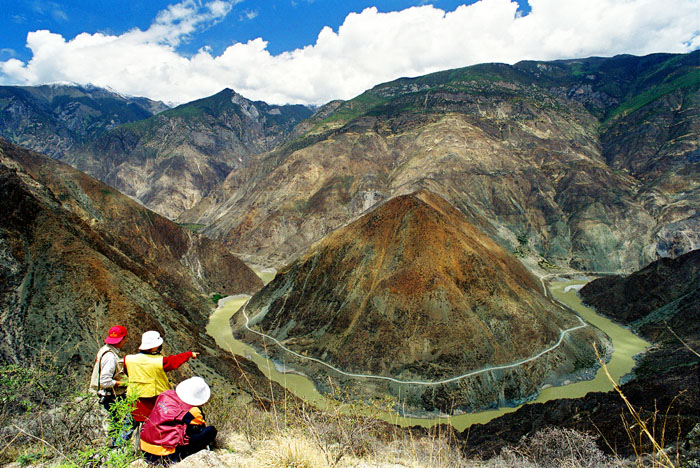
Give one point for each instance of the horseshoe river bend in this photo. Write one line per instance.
(625, 346)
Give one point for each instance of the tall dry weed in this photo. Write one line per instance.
(639, 432)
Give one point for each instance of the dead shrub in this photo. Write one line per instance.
(40, 403)
(555, 447)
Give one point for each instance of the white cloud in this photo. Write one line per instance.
(178, 21)
(368, 48)
(248, 15)
(51, 8)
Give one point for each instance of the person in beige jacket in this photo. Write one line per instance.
(108, 379)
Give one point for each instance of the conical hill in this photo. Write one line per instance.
(413, 291)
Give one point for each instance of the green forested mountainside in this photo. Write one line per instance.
(77, 257)
(591, 164)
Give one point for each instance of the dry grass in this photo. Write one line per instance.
(638, 431)
(290, 451)
(296, 435)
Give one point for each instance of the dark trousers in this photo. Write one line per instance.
(197, 442)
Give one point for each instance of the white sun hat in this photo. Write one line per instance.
(151, 339)
(193, 391)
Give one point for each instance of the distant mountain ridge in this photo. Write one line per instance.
(171, 160)
(590, 164)
(56, 118)
(168, 159)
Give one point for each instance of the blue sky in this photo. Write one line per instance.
(285, 24)
(312, 51)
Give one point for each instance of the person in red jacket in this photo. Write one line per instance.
(176, 428)
(146, 371)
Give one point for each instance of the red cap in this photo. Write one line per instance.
(115, 335)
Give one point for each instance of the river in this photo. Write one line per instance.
(625, 344)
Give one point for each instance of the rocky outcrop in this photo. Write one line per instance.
(54, 119)
(669, 403)
(170, 161)
(662, 302)
(414, 291)
(77, 257)
(633, 299)
(590, 164)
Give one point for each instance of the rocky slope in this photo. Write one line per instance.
(414, 291)
(170, 161)
(54, 119)
(77, 257)
(662, 302)
(587, 163)
(601, 414)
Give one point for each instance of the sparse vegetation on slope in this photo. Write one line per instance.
(595, 158)
(257, 431)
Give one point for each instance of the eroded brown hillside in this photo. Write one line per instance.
(591, 164)
(413, 291)
(77, 257)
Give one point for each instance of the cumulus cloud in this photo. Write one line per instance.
(368, 48)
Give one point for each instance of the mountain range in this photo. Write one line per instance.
(54, 119)
(590, 164)
(171, 160)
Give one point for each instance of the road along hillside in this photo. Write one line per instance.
(625, 346)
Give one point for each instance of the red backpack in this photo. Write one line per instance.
(165, 426)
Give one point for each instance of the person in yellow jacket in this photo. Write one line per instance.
(146, 371)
